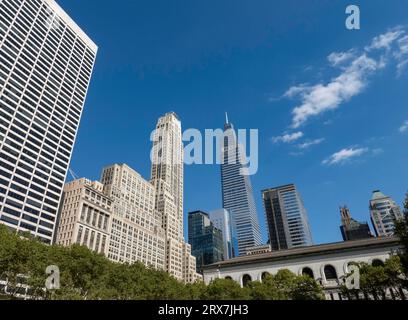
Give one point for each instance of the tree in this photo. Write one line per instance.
(401, 230)
(226, 289)
(86, 275)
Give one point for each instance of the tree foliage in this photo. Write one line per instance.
(85, 275)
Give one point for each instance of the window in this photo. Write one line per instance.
(377, 263)
(308, 272)
(330, 272)
(246, 279)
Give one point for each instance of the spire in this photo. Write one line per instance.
(226, 118)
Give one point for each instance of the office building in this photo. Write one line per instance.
(167, 174)
(136, 233)
(222, 220)
(237, 194)
(352, 229)
(384, 212)
(46, 63)
(84, 216)
(205, 239)
(287, 219)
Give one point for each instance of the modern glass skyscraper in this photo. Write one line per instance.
(221, 219)
(384, 212)
(205, 239)
(287, 218)
(237, 194)
(46, 63)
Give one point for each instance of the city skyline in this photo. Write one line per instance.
(277, 165)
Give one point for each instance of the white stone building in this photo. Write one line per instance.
(85, 216)
(167, 178)
(136, 233)
(328, 264)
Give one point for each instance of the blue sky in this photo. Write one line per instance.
(330, 104)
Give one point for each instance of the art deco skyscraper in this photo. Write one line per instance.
(384, 212)
(287, 219)
(237, 194)
(167, 178)
(46, 63)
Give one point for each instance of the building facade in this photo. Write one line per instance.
(85, 216)
(328, 264)
(136, 232)
(205, 239)
(46, 62)
(221, 219)
(167, 178)
(352, 229)
(287, 220)
(237, 193)
(384, 212)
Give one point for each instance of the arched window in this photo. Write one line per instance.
(246, 279)
(377, 263)
(228, 278)
(308, 272)
(265, 275)
(330, 272)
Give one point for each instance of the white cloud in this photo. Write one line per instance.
(404, 127)
(355, 71)
(308, 144)
(384, 41)
(289, 137)
(337, 58)
(345, 155)
(402, 54)
(323, 97)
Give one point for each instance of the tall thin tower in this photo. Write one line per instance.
(46, 63)
(167, 178)
(237, 194)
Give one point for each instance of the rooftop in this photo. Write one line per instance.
(304, 251)
(377, 194)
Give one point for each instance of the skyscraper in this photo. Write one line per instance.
(237, 194)
(205, 239)
(352, 229)
(85, 216)
(222, 220)
(384, 211)
(167, 179)
(136, 233)
(46, 63)
(287, 218)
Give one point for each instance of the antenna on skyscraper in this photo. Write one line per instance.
(226, 118)
(73, 174)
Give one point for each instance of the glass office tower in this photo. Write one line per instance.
(237, 194)
(205, 239)
(286, 217)
(46, 63)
